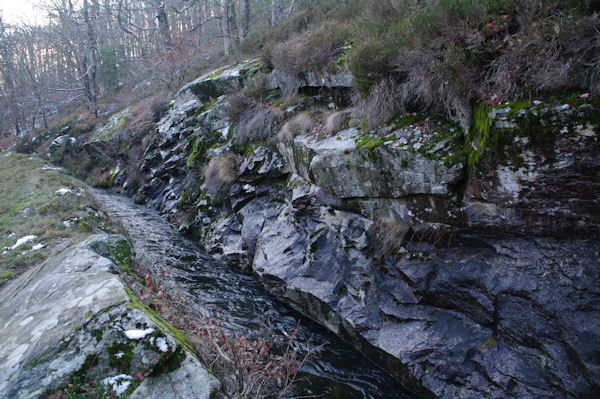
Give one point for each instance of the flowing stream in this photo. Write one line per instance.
(238, 299)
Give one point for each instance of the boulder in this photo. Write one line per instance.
(220, 81)
(71, 320)
(510, 319)
(346, 169)
(109, 140)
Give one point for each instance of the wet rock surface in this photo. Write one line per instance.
(543, 176)
(465, 264)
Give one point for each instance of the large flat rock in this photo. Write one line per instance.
(69, 317)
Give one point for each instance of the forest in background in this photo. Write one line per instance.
(95, 57)
(91, 48)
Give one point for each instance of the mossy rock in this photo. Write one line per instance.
(500, 134)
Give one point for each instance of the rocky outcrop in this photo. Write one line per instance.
(71, 321)
(463, 263)
(108, 140)
(512, 318)
(536, 169)
(347, 169)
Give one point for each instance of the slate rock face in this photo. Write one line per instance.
(70, 316)
(347, 170)
(466, 264)
(510, 320)
(542, 175)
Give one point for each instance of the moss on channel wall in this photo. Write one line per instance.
(500, 134)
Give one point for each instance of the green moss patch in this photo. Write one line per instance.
(109, 180)
(121, 254)
(200, 145)
(119, 356)
(164, 325)
(369, 142)
(446, 145)
(522, 125)
(108, 131)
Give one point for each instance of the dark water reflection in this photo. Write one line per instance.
(337, 371)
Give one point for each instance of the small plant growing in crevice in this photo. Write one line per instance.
(219, 175)
(298, 125)
(389, 237)
(261, 364)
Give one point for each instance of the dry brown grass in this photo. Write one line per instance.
(337, 121)
(237, 103)
(390, 237)
(219, 175)
(256, 124)
(261, 364)
(300, 124)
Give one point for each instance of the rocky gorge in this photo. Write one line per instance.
(465, 263)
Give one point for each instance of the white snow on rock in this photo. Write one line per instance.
(119, 383)
(63, 191)
(48, 167)
(162, 345)
(37, 246)
(138, 334)
(23, 240)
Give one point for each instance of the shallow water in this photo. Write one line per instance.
(337, 371)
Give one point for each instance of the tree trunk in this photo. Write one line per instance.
(276, 12)
(163, 24)
(226, 27)
(92, 49)
(8, 77)
(245, 20)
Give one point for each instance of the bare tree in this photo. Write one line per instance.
(8, 76)
(228, 26)
(163, 24)
(245, 18)
(276, 11)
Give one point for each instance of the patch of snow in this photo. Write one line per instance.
(63, 191)
(66, 223)
(37, 246)
(224, 132)
(138, 334)
(48, 167)
(249, 189)
(119, 383)
(151, 340)
(162, 345)
(119, 355)
(22, 241)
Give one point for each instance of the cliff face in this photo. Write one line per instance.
(465, 264)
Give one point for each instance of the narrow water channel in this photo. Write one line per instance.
(337, 371)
